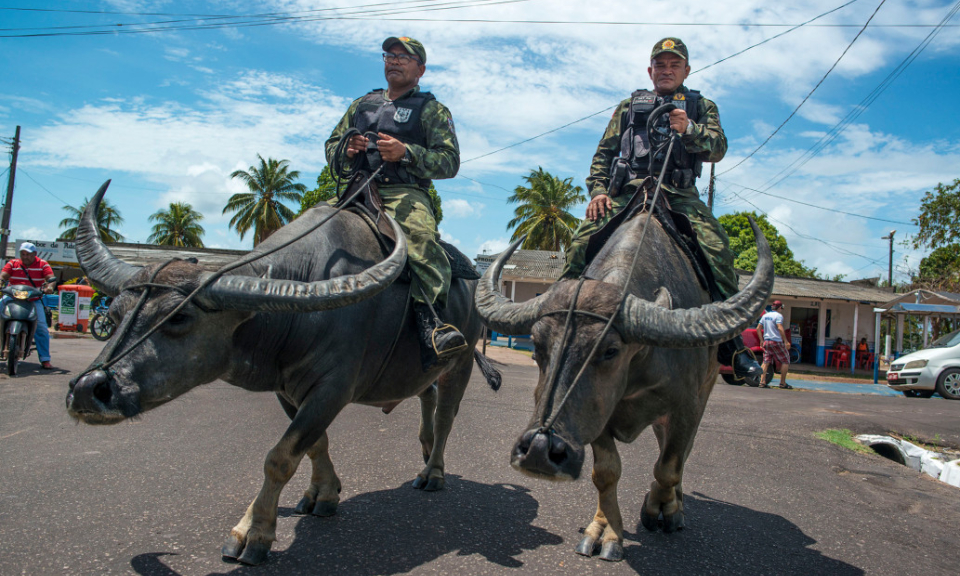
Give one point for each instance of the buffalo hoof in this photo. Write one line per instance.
(647, 520)
(325, 508)
(304, 506)
(232, 548)
(672, 522)
(612, 551)
(255, 553)
(434, 484)
(419, 483)
(587, 546)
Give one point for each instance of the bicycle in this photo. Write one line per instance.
(101, 326)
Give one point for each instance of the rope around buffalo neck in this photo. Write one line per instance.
(150, 284)
(551, 382)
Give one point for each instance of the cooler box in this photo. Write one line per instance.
(75, 307)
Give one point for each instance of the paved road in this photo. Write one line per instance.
(157, 495)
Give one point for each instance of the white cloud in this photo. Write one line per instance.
(494, 246)
(459, 208)
(29, 233)
(447, 237)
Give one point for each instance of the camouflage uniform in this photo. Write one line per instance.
(409, 204)
(708, 141)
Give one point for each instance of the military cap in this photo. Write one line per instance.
(410, 45)
(672, 45)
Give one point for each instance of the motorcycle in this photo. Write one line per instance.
(18, 323)
(101, 326)
(751, 340)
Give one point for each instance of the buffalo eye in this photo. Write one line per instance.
(611, 353)
(178, 319)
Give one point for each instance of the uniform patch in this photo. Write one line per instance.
(451, 127)
(648, 98)
(668, 44)
(402, 115)
(679, 96)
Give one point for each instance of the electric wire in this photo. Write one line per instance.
(809, 94)
(42, 187)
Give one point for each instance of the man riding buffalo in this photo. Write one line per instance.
(622, 161)
(415, 142)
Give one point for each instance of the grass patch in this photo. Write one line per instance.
(844, 439)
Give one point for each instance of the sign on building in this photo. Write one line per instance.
(54, 252)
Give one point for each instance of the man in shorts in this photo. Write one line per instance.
(776, 345)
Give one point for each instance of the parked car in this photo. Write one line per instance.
(936, 368)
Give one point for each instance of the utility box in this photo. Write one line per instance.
(74, 308)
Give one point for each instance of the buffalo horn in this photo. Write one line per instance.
(498, 313)
(254, 294)
(105, 271)
(711, 324)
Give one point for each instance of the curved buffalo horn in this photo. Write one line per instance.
(647, 323)
(498, 313)
(104, 270)
(254, 294)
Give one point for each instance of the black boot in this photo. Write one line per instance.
(436, 338)
(734, 353)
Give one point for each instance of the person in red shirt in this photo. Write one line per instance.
(31, 270)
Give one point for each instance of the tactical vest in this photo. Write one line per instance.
(399, 119)
(635, 142)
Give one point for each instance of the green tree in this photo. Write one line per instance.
(327, 189)
(939, 214)
(940, 270)
(262, 208)
(108, 219)
(543, 213)
(744, 246)
(178, 225)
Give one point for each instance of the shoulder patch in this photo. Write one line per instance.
(450, 125)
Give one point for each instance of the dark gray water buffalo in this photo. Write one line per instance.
(320, 322)
(656, 367)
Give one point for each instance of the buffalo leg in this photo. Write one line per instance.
(606, 530)
(251, 539)
(450, 389)
(675, 437)
(428, 410)
(323, 495)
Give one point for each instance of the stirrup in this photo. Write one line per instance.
(440, 331)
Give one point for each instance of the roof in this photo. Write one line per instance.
(921, 296)
(528, 265)
(546, 266)
(924, 309)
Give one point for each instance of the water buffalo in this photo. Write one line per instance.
(656, 367)
(319, 322)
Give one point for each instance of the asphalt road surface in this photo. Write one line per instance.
(157, 495)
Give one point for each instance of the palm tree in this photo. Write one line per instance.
(177, 226)
(261, 208)
(543, 214)
(107, 217)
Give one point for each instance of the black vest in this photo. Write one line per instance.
(401, 120)
(635, 142)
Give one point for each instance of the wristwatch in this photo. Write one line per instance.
(689, 129)
(407, 158)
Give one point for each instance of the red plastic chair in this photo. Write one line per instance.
(842, 359)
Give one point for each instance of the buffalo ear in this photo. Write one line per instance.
(663, 298)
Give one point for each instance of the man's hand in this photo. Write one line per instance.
(391, 149)
(679, 120)
(598, 207)
(356, 144)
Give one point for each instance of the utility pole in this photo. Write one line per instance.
(710, 189)
(5, 221)
(890, 263)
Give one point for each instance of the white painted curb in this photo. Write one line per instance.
(920, 459)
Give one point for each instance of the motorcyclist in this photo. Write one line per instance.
(31, 270)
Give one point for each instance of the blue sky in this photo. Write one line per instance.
(168, 115)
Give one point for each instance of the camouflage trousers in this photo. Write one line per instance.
(713, 240)
(410, 207)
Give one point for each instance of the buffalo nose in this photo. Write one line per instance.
(90, 392)
(547, 454)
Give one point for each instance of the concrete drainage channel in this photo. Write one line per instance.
(944, 466)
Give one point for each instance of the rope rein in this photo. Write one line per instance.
(551, 381)
(189, 296)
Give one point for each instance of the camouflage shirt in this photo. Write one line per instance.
(707, 141)
(439, 159)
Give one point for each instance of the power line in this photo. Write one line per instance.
(272, 21)
(807, 97)
(42, 187)
(860, 108)
(834, 210)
